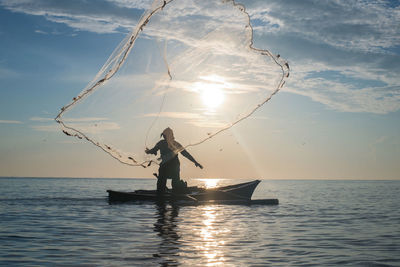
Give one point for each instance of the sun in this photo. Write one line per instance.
(211, 90)
(212, 95)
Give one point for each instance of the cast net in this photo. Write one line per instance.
(188, 65)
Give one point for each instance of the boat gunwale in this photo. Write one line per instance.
(202, 196)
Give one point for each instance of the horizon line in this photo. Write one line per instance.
(222, 178)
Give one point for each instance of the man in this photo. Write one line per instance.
(170, 165)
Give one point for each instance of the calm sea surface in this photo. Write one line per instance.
(68, 222)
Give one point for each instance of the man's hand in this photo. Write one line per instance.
(198, 165)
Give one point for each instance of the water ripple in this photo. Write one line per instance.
(317, 223)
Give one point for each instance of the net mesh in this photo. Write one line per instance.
(187, 65)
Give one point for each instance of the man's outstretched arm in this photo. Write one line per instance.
(153, 150)
(189, 157)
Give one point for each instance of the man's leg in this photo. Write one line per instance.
(176, 179)
(161, 181)
(175, 183)
(179, 186)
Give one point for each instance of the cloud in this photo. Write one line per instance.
(174, 115)
(315, 36)
(41, 119)
(338, 55)
(341, 23)
(41, 32)
(95, 128)
(91, 129)
(344, 97)
(46, 128)
(10, 122)
(95, 16)
(84, 119)
(140, 4)
(360, 88)
(345, 24)
(196, 119)
(209, 124)
(88, 124)
(88, 128)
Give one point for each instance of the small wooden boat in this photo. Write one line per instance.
(238, 193)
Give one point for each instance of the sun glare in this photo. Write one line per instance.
(211, 91)
(212, 95)
(210, 183)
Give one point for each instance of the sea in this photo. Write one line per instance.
(69, 222)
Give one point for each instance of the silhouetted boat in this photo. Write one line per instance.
(235, 194)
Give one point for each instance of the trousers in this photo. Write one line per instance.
(168, 170)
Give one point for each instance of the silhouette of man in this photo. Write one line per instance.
(170, 165)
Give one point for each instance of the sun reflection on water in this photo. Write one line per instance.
(212, 236)
(210, 183)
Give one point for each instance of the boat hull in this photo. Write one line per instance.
(233, 194)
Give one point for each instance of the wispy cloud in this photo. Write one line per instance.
(88, 128)
(84, 119)
(174, 115)
(336, 37)
(87, 124)
(41, 119)
(46, 128)
(316, 37)
(196, 119)
(344, 24)
(346, 89)
(96, 127)
(95, 16)
(208, 124)
(41, 32)
(10, 122)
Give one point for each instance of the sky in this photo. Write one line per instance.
(337, 117)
